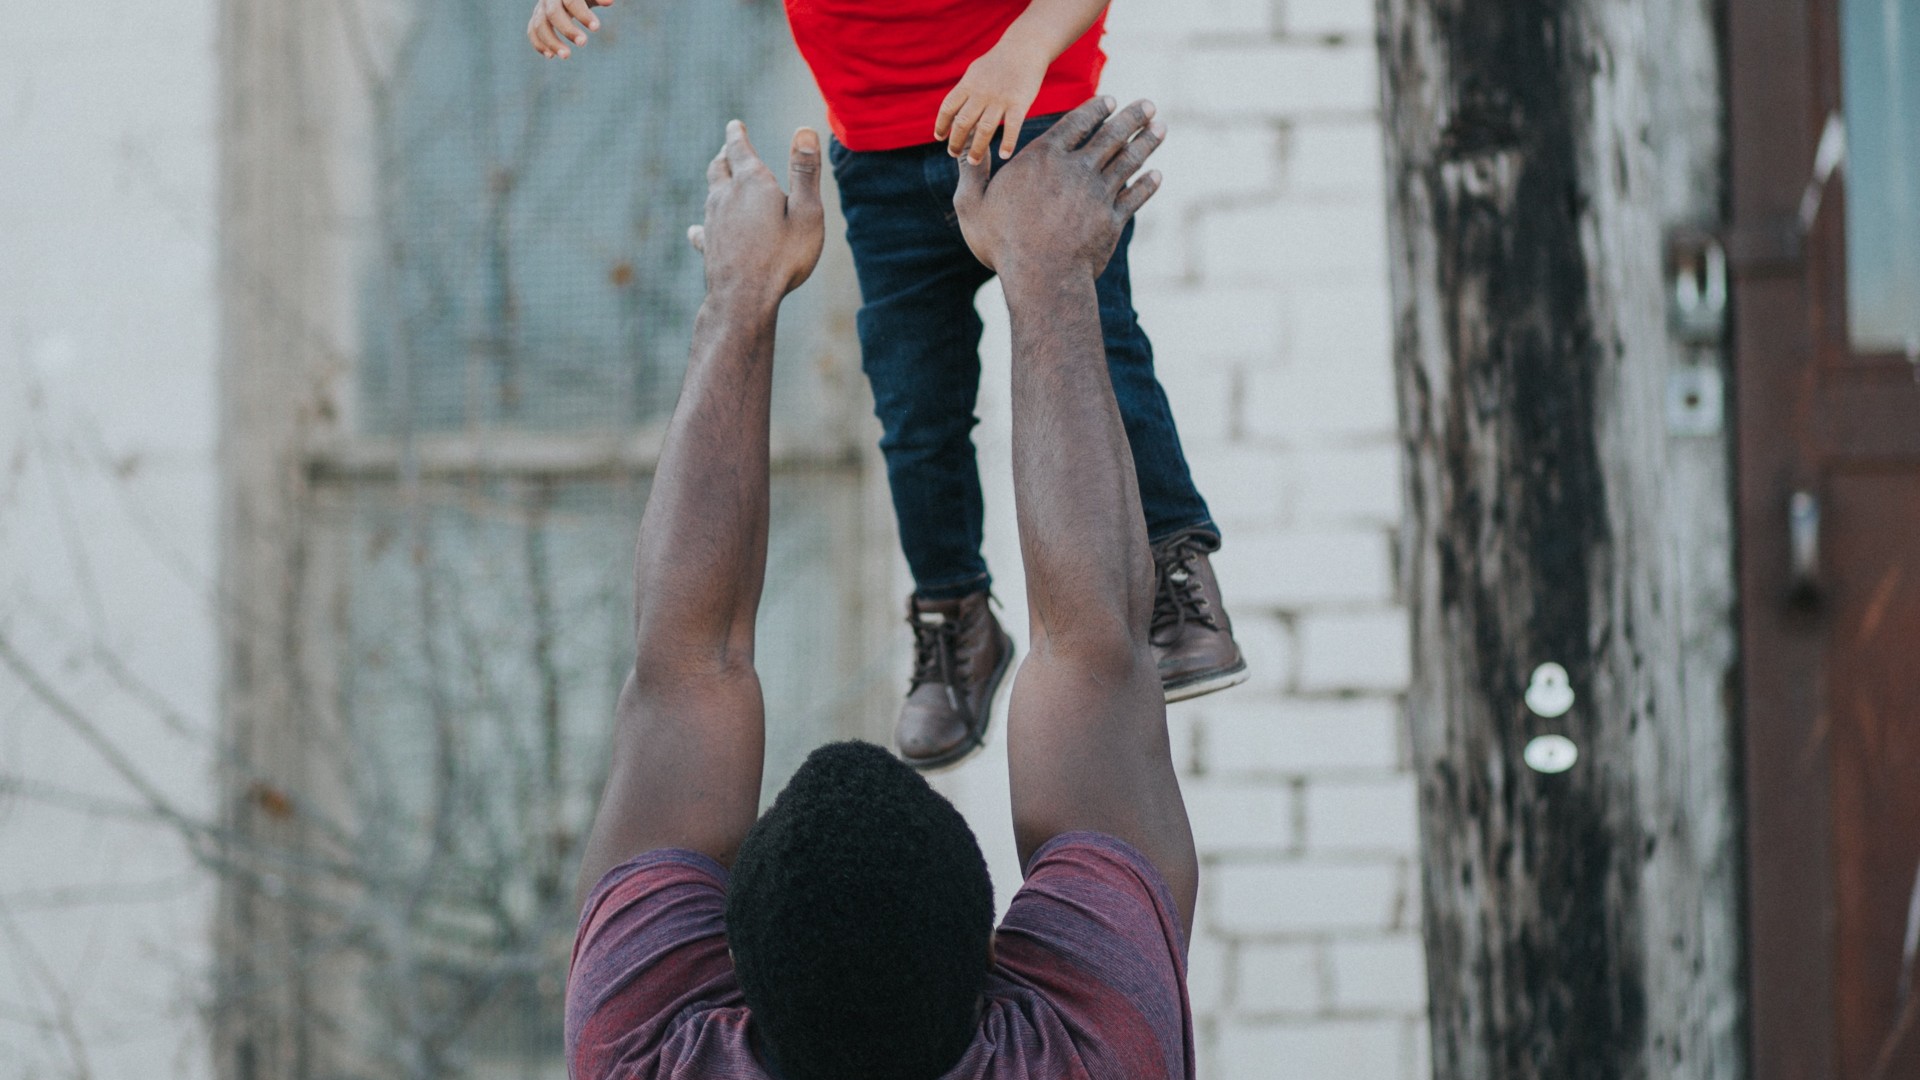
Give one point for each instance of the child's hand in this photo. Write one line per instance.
(996, 92)
(556, 22)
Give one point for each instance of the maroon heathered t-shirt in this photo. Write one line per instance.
(1089, 977)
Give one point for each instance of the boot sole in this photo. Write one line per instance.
(963, 753)
(1206, 682)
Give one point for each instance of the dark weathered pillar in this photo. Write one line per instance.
(1561, 511)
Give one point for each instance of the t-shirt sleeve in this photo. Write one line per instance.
(1095, 933)
(650, 955)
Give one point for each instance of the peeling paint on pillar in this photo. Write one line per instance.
(1519, 285)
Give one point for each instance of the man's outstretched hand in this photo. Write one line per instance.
(1060, 205)
(759, 242)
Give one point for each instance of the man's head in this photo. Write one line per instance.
(860, 915)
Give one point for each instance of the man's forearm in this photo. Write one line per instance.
(701, 558)
(1047, 27)
(1082, 534)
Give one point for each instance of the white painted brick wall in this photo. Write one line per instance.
(1344, 1049)
(1328, 18)
(1293, 568)
(1304, 896)
(1276, 735)
(1361, 815)
(1254, 79)
(1260, 272)
(1385, 974)
(1288, 977)
(1354, 651)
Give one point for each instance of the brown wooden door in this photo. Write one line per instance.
(1828, 414)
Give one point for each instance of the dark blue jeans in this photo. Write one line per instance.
(920, 347)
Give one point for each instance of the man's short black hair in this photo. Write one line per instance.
(860, 915)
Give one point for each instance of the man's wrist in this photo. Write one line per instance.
(744, 301)
(1041, 275)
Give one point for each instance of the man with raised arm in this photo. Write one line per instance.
(848, 933)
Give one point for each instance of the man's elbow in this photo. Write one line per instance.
(668, 668)
(1108, 649)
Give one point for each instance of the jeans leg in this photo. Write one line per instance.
(919, 345)
(1167, 494)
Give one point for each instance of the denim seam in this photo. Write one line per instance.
(954, 583)
(1205, 523)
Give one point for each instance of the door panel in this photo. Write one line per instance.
(1830, 632)
(1873, 683)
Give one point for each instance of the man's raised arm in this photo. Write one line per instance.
(688, 739)
(1086, 730)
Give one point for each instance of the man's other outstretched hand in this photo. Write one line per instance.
(758, 242)
(1060, 205)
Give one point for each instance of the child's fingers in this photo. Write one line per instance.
(1012, 123)
(983, 129)
(563, 28)
(697, 236)
(544, 40)
(580, 11)
(963, 122)
(943, 123)
(562, 22)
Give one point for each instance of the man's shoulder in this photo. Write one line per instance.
(1107, 871)
(1091, 956)
(651, 978)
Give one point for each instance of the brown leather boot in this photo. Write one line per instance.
(960, 655)
(1192, 637)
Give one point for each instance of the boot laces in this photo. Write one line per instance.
(1177, 599)
(936, 655)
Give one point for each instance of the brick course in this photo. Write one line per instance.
(1260, 271)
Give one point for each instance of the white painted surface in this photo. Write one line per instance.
(107, 525)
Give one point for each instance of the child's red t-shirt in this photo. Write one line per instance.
(885, 66)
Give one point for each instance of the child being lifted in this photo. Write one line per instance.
(911, 86)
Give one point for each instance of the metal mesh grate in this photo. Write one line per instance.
(484, 634)
(530, 265)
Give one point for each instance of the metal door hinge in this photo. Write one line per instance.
(1696, 285)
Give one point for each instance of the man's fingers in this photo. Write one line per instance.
(739, 149)
(1136, 153)
(1119, 128)
(943, 123)
(580, 10)
(1135, 195)
(803, 173)
(1010, 140)
(1074, 127)
(697, 236)
(982, 142)
(718, 169)
(973, 183)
